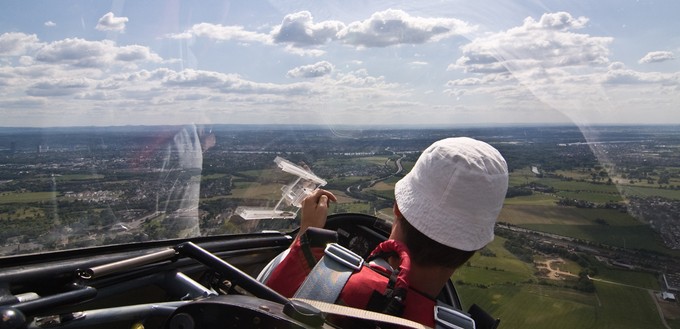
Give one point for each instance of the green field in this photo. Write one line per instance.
(593, 192)
(78, 177)
(335, 162)
(614, 227)
(533, 306)
(507, 288)
(634, 237)
(536, 199)
(649, 191)
(504, 268)
(564, 185)
(255, 190)
(632, 278)
(539, 306)
(376, 160)
(27, 197)
(595, 197)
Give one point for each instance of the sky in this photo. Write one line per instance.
(107, 63)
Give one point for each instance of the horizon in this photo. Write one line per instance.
(357, 126)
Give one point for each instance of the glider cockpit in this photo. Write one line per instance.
(197, 283)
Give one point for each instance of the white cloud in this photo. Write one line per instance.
(50, 24)
(97, 95)
(226, 83)
(77, 52)
(222, 33)
(315, 70)
(361, 78)
(311, 52)
(135, 53)
(302, 36)
(561, 21)
(60, 87)
(17, 44)
(394, 27)
(657, 57)
(623, 76)
(487, 79)
(616, 66)
(109, 22)
(547, 65)
(548, 42)
(419, 63)
(97, 54)
(300, 30)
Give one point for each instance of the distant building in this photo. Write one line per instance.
(668, 296)
(624, 265)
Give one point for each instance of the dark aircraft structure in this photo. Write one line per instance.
(197, 283)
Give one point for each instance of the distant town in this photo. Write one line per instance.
(65, 188)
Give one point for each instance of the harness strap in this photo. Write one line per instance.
(329, 275)
(363, 314)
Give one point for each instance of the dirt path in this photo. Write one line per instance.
(658, 308)
(554, 273)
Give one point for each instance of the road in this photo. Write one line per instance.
(400, 168)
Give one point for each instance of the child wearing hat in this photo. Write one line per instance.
(445, 209)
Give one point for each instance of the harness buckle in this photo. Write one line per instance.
(344, 256)
(449, 318)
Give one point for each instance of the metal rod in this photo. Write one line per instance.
(126, 264)
(47, 303)
(229, 271)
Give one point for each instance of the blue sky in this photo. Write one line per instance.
(66, 63)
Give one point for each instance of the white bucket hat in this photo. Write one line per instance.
(455, 192)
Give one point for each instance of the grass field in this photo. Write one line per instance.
(595, 197)
(26, 197)
(349, 180)
(79, 177)
(521, 177)
(533, 306)
(536, 212)
(501, 286)
(649, 191)
(376, 160)
(539, 306)
(633, 278)
(586, 190)
(372, 160)
(536, 199)
(564, 185)
(382, 186)
(609, 226)
(254, 190)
